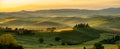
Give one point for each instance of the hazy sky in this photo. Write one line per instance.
(17, 5)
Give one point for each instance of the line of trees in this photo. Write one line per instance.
(22, 31)
(52, 29)
(111, 40)
(19, 31)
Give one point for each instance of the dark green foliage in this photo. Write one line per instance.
(62, 43)
(69, 43)
(10, 46)
(98, 46)
(19, 47)
(51, 45)
(79, 35)
(111, 40)
(84, 47)
(72, 43)
(22, 31)
(57, 38)
(19, 31)
(51, 29)
(78, 26)
(8, 29)
(41, 40)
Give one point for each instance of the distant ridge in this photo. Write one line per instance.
(64, 12)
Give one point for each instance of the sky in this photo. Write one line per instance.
(31, 5)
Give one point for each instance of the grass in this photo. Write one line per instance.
(31, 42)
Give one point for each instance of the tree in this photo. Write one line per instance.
(63, 43)
(41, 40)
(57, 38)
(98, 46)
(7, 39)
(8, 42)
(112, 40)
(84, 47)
(8, 29)
(51, 29)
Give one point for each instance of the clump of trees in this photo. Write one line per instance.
(22, 31)
(19, 31)
(111, 40)
(41, 40)
(57, 38)
(78, 26)
(6, 29)
(98, 46)
(52, 29)
(8, 42)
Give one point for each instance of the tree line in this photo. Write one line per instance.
(112, 40)
(19, 31)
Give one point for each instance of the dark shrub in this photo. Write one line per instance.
(62, 43)
(41, 40)
(19, 47)
(98, 46)
(57, 38)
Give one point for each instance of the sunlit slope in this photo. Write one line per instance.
(7, 20)
(97, 22)
(64, 29)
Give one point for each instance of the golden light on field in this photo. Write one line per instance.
(17, 5)
(97, 23)
(7, 20)
(64, 29)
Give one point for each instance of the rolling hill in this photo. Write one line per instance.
(62, 13)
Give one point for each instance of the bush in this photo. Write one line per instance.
(69, 43)
(84, 47)
(98, 46)
(111, 40)
(19, 47)
(57, 38)
(8, 42)
(41, 40)
(62, 43)
(7, 39)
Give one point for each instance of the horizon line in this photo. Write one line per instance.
(56, 9)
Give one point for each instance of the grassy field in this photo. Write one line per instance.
(31, 42)
(106, 47)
